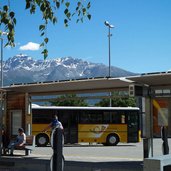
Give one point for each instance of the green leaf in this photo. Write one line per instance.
(42, 8)
(27, 5)
(68, 15)
(12, 14)
(67, 4)
(66, 23)
(57, 4)
(5, 8)
(84, 11)
(46, 40)
(5, 21)
(79, 3)
(42, 34)
(66, 11)
(45, 53)
(41, 27)
(79, 12)
(89, 16)
(38, 2)
(54, 20)
(10, 26)
(88, 5)
(33, 9)
(42, 44)
(14, 21)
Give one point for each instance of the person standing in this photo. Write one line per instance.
(55, 123)
(5, 141)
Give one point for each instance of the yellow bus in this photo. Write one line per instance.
(105, 125)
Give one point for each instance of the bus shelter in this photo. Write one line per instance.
(157, 99)
(18, 97)
(154, 88)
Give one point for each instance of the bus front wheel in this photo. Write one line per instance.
(42, 140)
(112, 139)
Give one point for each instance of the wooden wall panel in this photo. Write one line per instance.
(14, 101)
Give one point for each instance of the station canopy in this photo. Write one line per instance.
(156, 79)
(72, 86)
(99, 84)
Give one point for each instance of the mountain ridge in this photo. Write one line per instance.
(23, 69)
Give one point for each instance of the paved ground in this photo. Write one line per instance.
(85, 157)
(98, 153)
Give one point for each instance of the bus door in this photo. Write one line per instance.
(133, 122)
(69, 121)
(73, 128)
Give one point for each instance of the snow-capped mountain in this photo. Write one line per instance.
(24, 69)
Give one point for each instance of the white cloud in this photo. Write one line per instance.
(30, 46)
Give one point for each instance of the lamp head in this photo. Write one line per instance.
(108, 25)
(111, 26)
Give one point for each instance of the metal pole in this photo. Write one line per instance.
(1, 123)
(1, 100)
(1, 62)
(151, 124)
(57, 151)
(109, 35)
(109, 51)
(110, 100)
(1, 106)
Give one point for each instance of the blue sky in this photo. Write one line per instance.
(140, 42)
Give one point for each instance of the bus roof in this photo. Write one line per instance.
(83, 108)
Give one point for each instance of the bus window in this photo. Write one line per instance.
(106, 117)
(96, 118)
(116, 118)
(91, 118)
(133, 119)
(84, 118)
(42, 118)
(123, 119)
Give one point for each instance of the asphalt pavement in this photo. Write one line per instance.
(96, 157)
(97, 152)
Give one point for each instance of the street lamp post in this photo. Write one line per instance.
(1, 106)
(1, 62)
(109, 35)
(1, 93)
(2, 44)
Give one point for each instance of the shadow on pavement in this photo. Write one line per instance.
(101, 166)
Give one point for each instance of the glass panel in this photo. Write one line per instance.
(16, 116)
(42, 116)
(118, 117)
(91, 117)
(133, 126)
(106, 117)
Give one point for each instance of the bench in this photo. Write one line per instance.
(29, 145)
(157, 163)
